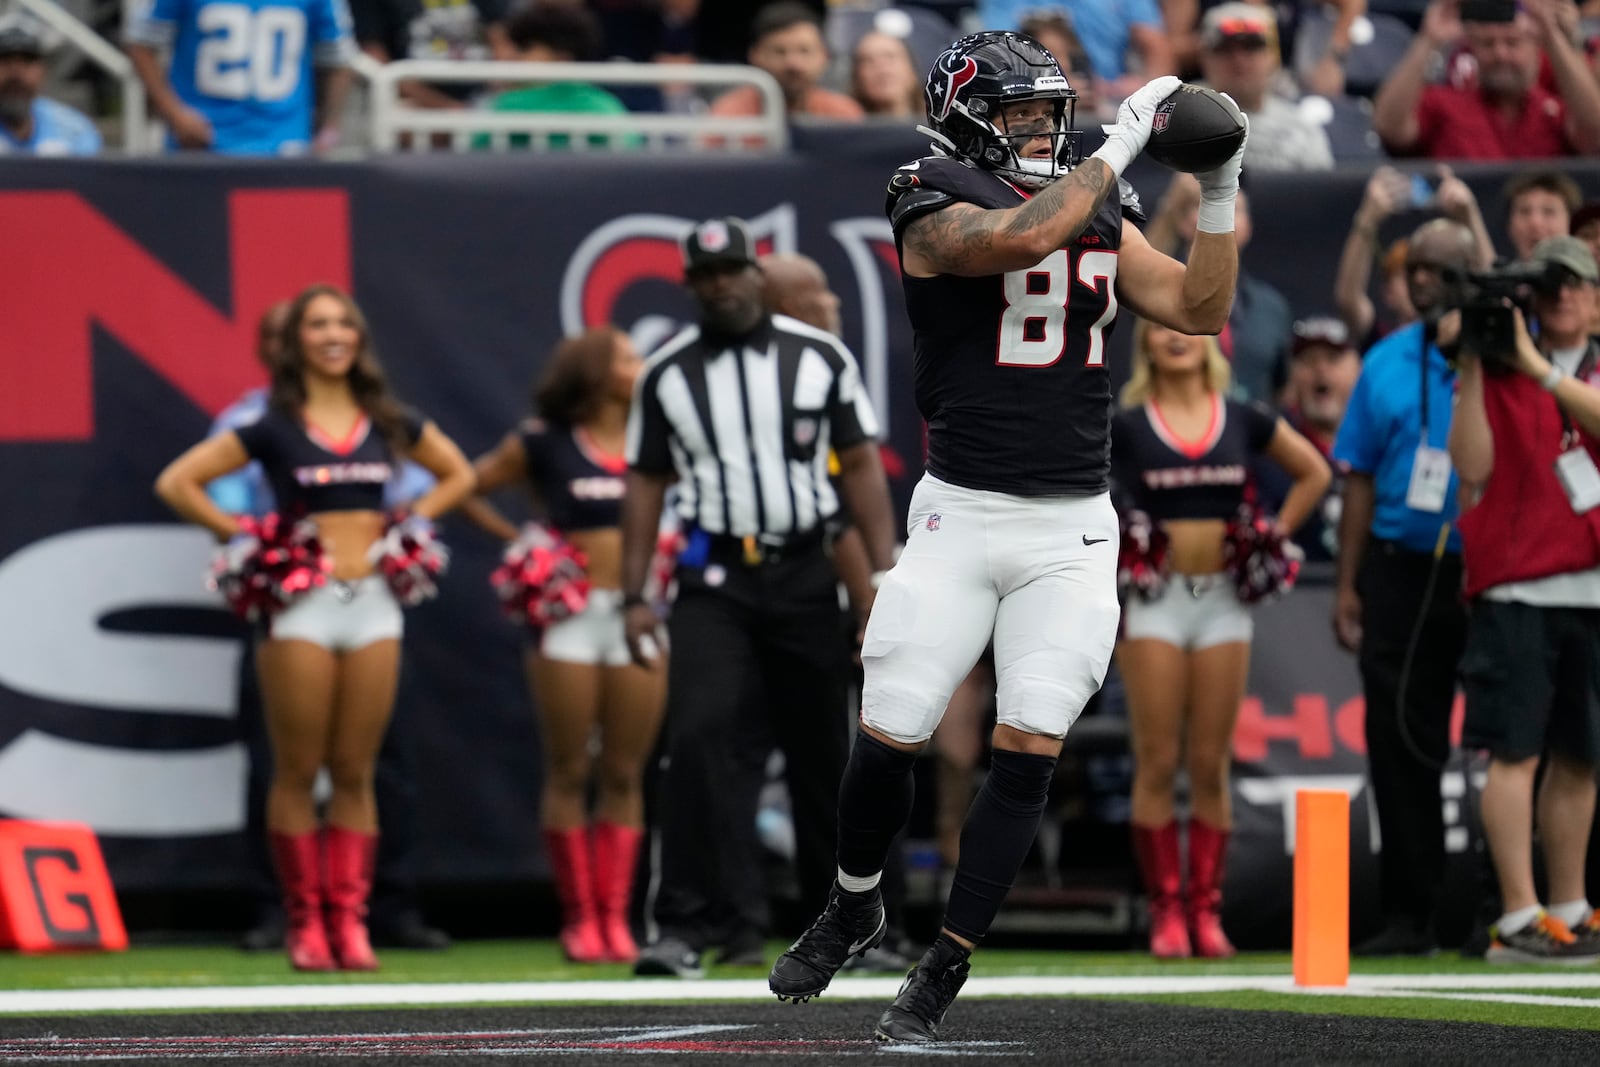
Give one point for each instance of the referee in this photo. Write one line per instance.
(741, 411)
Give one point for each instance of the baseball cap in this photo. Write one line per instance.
(724, 240)
(17, 39)
(1568, 252)
(1319, 330)
(1237, 22)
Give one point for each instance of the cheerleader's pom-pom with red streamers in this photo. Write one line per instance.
(1142, 556)
(541, 579)
(267, 565)
(1264, 563)
(411, 559)
(664, 566)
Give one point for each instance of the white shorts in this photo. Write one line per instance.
(342, 616)
(1037, 574)
(1191, 613)
(595, 635)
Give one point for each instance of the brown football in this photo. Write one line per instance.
(1195, 129)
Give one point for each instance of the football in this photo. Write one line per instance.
(1195, 129)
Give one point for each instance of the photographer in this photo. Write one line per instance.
(1530, 536)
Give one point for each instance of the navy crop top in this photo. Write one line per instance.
(581, 487)
(1169, 478)
(311, 473)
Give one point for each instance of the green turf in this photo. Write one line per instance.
(1420, 1007)
(523, 961)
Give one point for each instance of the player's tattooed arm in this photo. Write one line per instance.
(966, 240)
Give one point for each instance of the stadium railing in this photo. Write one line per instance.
(392, 124)
(136, 133)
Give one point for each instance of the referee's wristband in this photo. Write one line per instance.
(1552, 379)
(633, 600)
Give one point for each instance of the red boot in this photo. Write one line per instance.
(299, 865)
(1157, 850)
(616, 853)
(349, 855)
(569, 863)
(1208, 845)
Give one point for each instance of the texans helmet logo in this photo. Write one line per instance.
(958, 71)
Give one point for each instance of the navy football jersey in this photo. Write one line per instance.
(311, 473)
(1170, 478)
(1010, 370)
(581, 487)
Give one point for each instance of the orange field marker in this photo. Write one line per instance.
(1321, 887)
(54, 890)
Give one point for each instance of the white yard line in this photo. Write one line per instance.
(389, 994)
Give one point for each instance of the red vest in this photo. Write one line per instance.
(1524, 526)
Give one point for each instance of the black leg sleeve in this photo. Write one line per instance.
(996, 838)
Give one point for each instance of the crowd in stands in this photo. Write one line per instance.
(1323, 81)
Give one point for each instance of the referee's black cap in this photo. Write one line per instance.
(715, 241)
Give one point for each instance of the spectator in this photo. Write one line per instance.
(1054, 31)
(1585, 226)
(1388, 193)
(1323, 368)
(264, 103)
(1239, 56)
(884, 78)
(786, 42)
(433, 29)
(1531, 541)
(1502, 112)
(1397, 603)
(1110, 32)
(1539, 204)
(31, 123)
(1256, 339)
(548, 32)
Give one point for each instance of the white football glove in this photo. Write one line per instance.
(1220, 188)
(1131, 132)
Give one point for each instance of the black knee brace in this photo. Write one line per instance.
(996, 837)
(874, 803)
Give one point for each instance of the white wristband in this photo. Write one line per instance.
(1552, 379)
(1114, 154)
(1216, 216)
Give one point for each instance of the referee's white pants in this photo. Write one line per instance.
(1037, 574)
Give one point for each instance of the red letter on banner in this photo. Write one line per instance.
(77, 270)
(54, 889)
(1308, 726)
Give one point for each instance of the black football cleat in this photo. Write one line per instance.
(851, 924)
(925, 996)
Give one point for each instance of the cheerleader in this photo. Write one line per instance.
(571, 458)
(329, 661)
(1181, 453)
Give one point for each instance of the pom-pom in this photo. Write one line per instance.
(411, 559)
(1142, 556)
(658, 587)
(1262, 561)
(541, 578)
(270, 563)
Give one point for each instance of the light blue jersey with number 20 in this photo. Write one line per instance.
(247, 65)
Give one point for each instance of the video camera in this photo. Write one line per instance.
(1486, 300)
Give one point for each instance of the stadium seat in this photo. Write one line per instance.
(925, 33)
(1370, 60)
(1348, 123)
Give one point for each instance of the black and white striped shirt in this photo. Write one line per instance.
(747, 427)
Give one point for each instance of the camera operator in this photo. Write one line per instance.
(1524, 441)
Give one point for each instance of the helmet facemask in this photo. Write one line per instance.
(1007, 139)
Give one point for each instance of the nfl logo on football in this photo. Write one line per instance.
(1158, 122)
(933, 521)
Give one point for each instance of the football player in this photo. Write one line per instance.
(1015, 257)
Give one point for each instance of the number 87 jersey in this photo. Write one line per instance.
(1010, 369)
(247, 65)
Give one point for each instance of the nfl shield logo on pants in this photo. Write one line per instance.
(933, 521)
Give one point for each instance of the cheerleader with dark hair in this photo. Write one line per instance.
(329, 661)
(565, 581)
(1181, 453)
